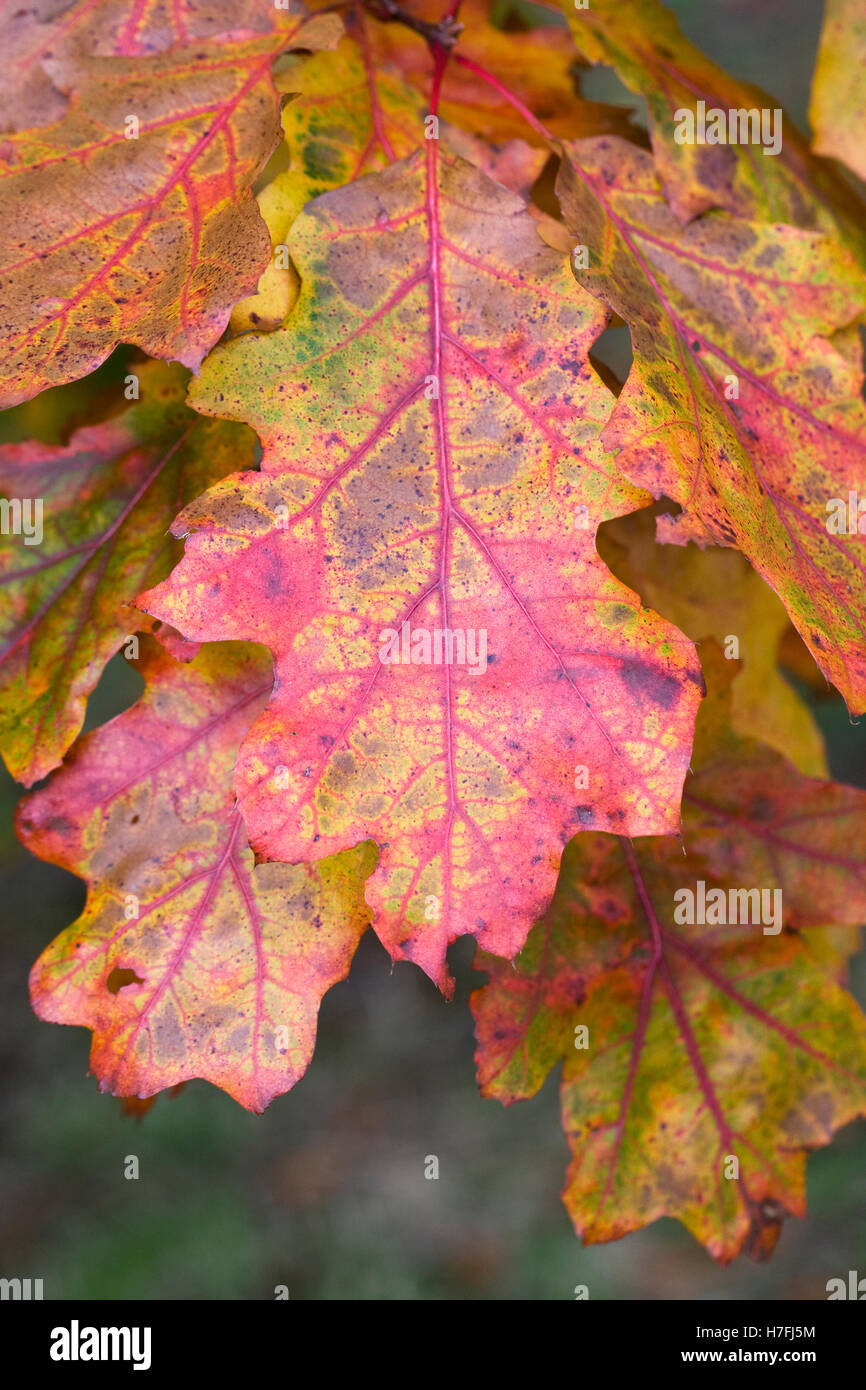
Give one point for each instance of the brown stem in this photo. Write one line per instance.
(442, 35)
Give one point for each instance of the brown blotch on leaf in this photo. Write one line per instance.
(120, 977)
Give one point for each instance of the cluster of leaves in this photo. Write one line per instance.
(365, 396)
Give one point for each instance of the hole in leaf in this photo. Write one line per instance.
(120, 977)
(543, 191)
(517, 18)
(611, 355)
(120, 685)
(601, 83)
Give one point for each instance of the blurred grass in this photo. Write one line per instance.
(326, 1192)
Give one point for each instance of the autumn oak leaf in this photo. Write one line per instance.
(431, 463)
(34, 35)
(131, 217)
(837, 109)
(94, 532)
(737, 406)
(187, 961)
(701, 1063)
(643, 41)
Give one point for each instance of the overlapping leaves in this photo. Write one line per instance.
(431, 461)
(738, 406)
(438, 454)
(106, 502)
(685, 1047)
(187, 960)
(130, 218)
(538, 64)
(642, 40)
(714, 593)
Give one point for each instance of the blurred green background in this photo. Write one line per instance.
(326, 1192)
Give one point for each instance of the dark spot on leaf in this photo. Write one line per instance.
(120, 977)
(657, 686)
